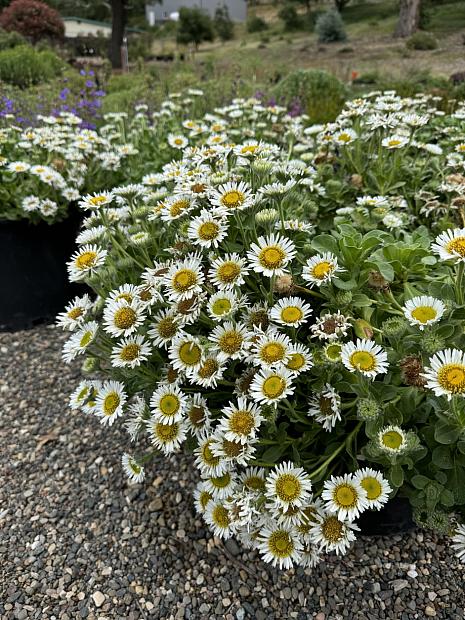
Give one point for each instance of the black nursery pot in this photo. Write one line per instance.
(33, 275)
(394, 518)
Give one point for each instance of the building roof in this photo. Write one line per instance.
(94, 22)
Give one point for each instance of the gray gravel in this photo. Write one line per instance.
(77, 541)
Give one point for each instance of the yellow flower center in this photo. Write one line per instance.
(86, 260)
(111, 403)
(393, 440)
(345, 496)
(272, 352)
(169, 404)
(242, 422)
(372, 487)
(166, 432)
(167, 327)
(423, 314)
(394, 142)
(333, 352)
(190, 353)
(75, 313)
(291, 314)
(208, 456)
(274, 386)
(271, 257)
(177, 207)
(221, 481)
(332, 529)
(280, 544)
(184, 280)
(221, 306)
(125, 317)
(98, 200)
(344, 137)
(208, 231)
(208, 368)
(230, 342)
(255, 483)
(232, 198)
(85, 340)
(457, 245)
(220, 516)
(296, 361)
(288, 487)
(204, 498)
(126, 296)
(231, 448)
(130, 352)
(228, 272)
(250, 148)
(321, 270)
(196, 415)
(451, 377)
(363, 360)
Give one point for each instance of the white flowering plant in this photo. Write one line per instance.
(313, 364)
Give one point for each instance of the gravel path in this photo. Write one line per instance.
(76, 541)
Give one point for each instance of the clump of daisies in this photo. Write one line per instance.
(312, 375)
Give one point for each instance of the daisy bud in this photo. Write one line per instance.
(431, 343)
(368, 409)
(394, 326)
(343, 298)
(284, 284)
(363, 329)
(90, 364)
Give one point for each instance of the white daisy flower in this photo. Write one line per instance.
(85, 261)
(230, 341)
(331, 326)
(166, 437)
(185, 353)
(165, 328)
(110, 401)
(394, 142)
(270, 349)
(271, 255)
(197, 414)
(253, 479)
(201, 498)
(217, 516)
(325, 407)
(391, 440)
(290, 311)
(228, 271)
(372, 201)
(300, 359)
(280, 546)
(232, 452)
(222, 486)
(232, 196)
(365, 356)
(184, 279)
(207, 229)
(223, 305)
(450, 245)
(446, 373)
(332, 534)
(376, 486)
(130, 352)
(133, 470)
(177, 141)
(122, 318)
(344, 496)
(177, 206)
(84, 394)
(207, 461)
(75, 313)
(168, 403)
(240, 422)
(95, 201)
(288, 485)
(320, 269)
(344, 137)
(423, 311)
(270, 386)
(211, 371)
(80, 341)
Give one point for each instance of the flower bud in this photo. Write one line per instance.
(363, 329)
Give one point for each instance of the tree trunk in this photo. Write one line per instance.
(409, 18)
(118, 24)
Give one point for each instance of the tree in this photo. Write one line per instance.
(120, 9)
(33, 19)
(194, 26)
(409, 18)
(224, 26)
(341, 4)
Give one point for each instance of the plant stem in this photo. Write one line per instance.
(330, 458)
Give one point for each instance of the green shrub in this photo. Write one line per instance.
(223, 24)
(290, 17)
(23, 66)
(330, 28)
(256, 24)
(422, 41)
(10, 39)
(320, 93)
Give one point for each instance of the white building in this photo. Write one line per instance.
(80, 27)
(169, 9)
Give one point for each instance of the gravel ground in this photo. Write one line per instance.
(76, 541)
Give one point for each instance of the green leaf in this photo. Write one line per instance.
(447, 498)
(325, 243)
(432, 494)
(419, 481)
(396, 475)
(273, 453)
(446, 433)
(442, 457)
